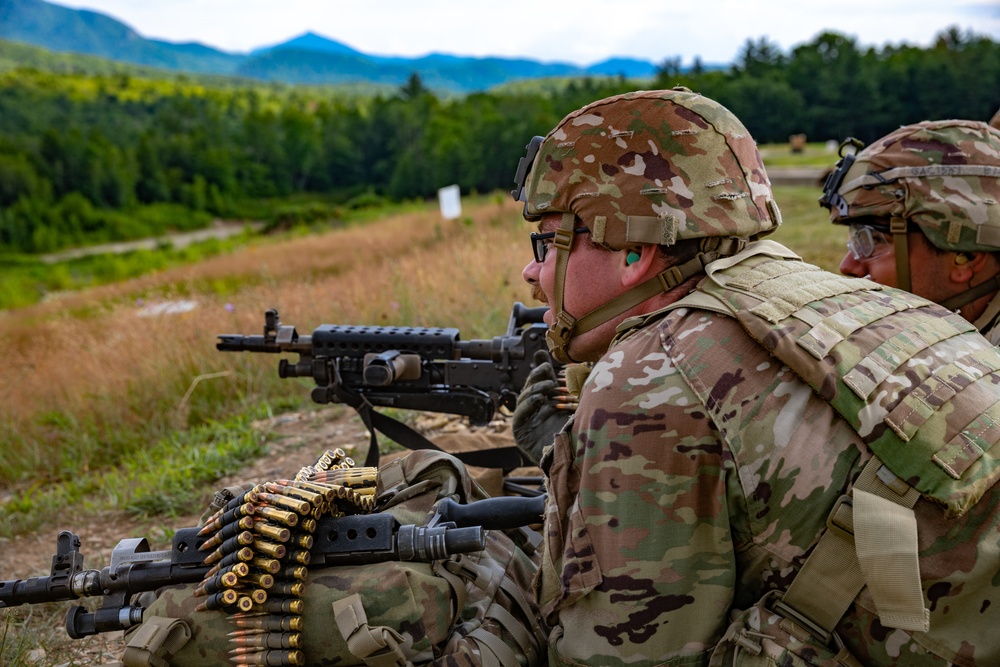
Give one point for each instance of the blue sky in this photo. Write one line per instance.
(579, 31)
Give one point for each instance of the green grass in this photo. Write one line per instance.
(814, 155)
(168, 478)
(806, 227)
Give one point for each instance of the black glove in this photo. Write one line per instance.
(542, 409)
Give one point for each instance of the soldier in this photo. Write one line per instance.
(923, 208)
(770, 464)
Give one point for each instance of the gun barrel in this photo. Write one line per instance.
(494, 513)
(133, 578)
(426, 544)
(241, 343)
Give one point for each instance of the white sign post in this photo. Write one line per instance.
(450, 198)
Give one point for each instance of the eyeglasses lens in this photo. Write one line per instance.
(865, 243)
(540, 245)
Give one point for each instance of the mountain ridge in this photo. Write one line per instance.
(309, 58)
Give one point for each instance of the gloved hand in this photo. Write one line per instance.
(542, 409)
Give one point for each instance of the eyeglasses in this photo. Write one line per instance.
(865, 242)
(540, 242)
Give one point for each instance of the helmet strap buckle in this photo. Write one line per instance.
(563, 239)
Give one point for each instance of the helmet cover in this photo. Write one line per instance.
(653, 167)
(943, 176)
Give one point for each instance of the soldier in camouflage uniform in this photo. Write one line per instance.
(922, 207)
(770, 464)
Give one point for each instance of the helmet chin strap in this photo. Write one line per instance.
(897, 227)
(558, 335)
(565, 326)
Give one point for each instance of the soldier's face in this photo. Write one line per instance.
(869, 255)
(931, 272)
(591, 281)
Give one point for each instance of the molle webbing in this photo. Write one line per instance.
(888, 357)
(783, 287)
(870, 353)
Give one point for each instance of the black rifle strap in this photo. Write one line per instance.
(506, 458)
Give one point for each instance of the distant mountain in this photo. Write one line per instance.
(629, 67)
(81, 31)
(310, 41)
(308, 58)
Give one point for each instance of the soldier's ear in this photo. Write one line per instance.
(967, 265)
(636, 263)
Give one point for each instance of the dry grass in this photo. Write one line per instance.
(85, 377)
(87, 365)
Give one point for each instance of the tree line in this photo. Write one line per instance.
(87, 159)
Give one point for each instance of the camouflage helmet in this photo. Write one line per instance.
(943, 176)
(651, 167)
(645, 168)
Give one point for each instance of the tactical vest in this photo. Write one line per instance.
(931, 426)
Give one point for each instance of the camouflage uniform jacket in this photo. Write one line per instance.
(698, 473)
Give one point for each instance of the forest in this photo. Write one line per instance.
(106, 157)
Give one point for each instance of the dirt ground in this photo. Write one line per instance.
(294, 440)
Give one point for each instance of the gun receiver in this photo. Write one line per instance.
(346, 540)
(413, 368)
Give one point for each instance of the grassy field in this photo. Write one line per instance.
(100, 376)
(112, 402)
(820, 155)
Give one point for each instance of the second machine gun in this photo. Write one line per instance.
(410, 368)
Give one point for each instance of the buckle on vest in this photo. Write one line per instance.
(803, 622)
(844, 526)
(670, 278)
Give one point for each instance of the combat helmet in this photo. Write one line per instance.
(941, 176)
(648, 167)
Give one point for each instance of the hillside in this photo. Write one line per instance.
(306, 59)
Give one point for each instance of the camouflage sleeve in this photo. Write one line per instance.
(639, 566)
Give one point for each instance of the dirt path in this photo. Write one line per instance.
(219, 230)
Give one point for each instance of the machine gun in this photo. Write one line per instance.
(412, 368)
(344, 540)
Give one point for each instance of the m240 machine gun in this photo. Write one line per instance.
(411, 368)
(344, 540)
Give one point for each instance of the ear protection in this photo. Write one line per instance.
(960, 259)
(631, 258)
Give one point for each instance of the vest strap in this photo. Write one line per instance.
(871, 539)
(379, 646)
